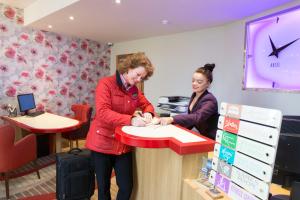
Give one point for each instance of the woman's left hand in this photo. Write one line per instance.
(148, 117)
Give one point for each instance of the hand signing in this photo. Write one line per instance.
(147, 117)
(138, 121)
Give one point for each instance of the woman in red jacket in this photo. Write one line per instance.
(117, 99)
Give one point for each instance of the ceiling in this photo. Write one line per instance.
(106, 21)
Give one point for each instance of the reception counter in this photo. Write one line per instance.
(164, 157)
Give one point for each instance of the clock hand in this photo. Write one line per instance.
(285, 46)
(274, 49)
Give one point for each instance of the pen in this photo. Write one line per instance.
(140, 113)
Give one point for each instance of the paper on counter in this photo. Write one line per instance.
(158, 131)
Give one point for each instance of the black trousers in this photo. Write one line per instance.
(122, 164)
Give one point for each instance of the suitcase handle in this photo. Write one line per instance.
(75, 151)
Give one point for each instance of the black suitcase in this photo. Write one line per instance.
(75, 177)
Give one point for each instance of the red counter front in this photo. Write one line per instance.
(163, 158)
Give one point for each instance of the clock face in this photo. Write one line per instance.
(272, 57)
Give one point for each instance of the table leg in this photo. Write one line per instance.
(58, 142)
(18, 133)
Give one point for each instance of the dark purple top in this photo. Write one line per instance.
(203, 116)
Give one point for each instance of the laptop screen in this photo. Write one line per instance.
(26, 102)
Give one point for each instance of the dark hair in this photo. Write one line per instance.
(136, 60)
(207, 70)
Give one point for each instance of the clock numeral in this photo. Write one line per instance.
(249, 56)
(275, 64)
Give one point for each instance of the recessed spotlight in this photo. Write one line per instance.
(49, 26)
(118, 1)
(71, 18)
(164, 22)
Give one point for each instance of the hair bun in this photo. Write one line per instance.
(209, 67)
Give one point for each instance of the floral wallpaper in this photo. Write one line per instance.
(59, 70)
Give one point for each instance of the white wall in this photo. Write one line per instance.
(177, 56)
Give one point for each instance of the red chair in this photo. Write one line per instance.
(83, 113)
(14, 155)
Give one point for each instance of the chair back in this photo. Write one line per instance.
(7, 137)
(14, 155)
(83, 113)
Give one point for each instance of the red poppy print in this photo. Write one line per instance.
(63, 91)
(71, 64)
(9, 13)
(4, 107)
(52, 59)
(39, 37)
(48, 78)
(17, 45)
(90, 80)
(33, 51)
(74, 45)
(21, 59)
(11, 92)
(24, 36)
(34, 88)
(3, 28)
(40, 107)
(59, 103)
(56, 68)
(17, 83)
(20, 20)
(83, 76)
(44, 66)
(91, 51)
(84, 45)
(80, 57)
(101, 63)
(58, 37)
(10, 52)
(79, 87)
(71, 94)
(25, 74)
(48, 44)
(73, 76)
(39, 73)
(59, 71)
(4, 68)
(52, 92)
(63, 58)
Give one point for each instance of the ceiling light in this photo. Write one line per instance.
(118, 1)
(164, 22)
(71, 18)
(49, 26)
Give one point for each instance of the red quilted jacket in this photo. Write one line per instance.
(114, 107)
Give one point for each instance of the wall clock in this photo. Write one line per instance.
(272, 52)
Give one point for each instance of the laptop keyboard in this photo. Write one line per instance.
(36, 113)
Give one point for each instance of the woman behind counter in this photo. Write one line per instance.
(203, 106)
(117, 99)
